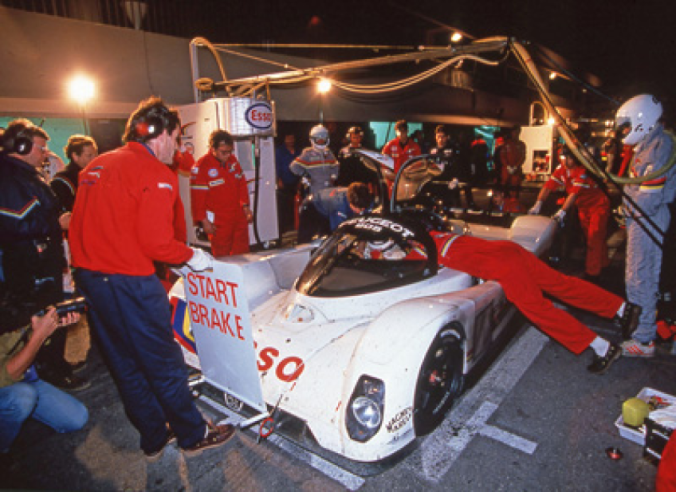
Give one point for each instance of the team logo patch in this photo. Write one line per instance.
(213, 173)
(195, 170)
(165, 186)
(216, 182)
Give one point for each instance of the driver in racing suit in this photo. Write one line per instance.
(639, 119)
(525, 279)
(317, 163)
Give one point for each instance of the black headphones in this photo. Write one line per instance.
(20, 144)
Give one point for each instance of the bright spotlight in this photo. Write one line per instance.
(81, 89)
(456, 37)
(324, 86)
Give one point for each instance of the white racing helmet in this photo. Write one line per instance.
(639, 114)
(319, 136)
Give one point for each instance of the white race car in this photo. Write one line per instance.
(364, 341)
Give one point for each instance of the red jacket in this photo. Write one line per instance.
(218, 188)
(124, 214)
(578, 181)
(401, 154)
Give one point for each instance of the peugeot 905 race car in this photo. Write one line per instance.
(365, 340)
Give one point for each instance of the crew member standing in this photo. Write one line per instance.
(512, 157)
(447, 156)
(123, 220)
(80, 151)
(220, 197)
(639, 119)
(31, 225)
(593, 209)
(317, 163)
(401, 148)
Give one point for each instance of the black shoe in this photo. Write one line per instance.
(69, 383)
(153, 456)
(600, 365)
(629, 320)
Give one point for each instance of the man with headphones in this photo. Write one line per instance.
(31, 225)
(125, 218)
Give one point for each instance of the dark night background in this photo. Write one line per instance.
(630, 44)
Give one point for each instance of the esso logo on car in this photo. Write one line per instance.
(259, 116)
(287, 368)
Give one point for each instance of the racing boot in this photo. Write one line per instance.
(600, 365)
(629, 319)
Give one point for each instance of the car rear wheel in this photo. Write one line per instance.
(440, 380)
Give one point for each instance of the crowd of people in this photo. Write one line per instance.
(120, 215)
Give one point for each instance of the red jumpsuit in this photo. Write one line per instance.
(220, 188)
(525, 279)
(127, 186)
(593, 208)
(512, 157)
(400, 154)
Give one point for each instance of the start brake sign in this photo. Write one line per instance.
(221, 324)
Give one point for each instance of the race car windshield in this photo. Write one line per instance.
(348, 264)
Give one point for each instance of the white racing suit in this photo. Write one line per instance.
(644, 257)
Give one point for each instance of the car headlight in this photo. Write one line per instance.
(364, 413)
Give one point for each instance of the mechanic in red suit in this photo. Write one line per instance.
(220, 198)
(123, 221)
(401, 148)
(593, 208)
(512, 157)
(525, 279)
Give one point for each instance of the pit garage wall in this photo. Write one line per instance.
(40, 53)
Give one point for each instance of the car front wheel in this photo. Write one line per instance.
(440, 380)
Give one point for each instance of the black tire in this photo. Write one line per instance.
(440, 380)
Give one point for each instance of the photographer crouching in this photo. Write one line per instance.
(23, 394)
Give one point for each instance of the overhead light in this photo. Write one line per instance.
(81, 89)
(551, 121)
(456, 37)
(324, 86)
(552, 75)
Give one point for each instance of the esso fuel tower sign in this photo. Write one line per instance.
(260, 116)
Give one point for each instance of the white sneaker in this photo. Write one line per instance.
(634, 348)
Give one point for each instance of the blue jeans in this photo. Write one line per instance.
(41, 401)
(131, 320)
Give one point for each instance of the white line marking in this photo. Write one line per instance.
(440, 449)
(518, 443)
(345, 478)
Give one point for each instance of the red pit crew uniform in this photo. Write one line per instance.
(142, 190)
(400, 154)
(593, 208)
(123, 220)
(512, 157)
(221, 188)
(525, 279)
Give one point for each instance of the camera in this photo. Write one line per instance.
(76, 305)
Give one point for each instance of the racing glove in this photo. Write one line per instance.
(536, 208)
(559, 216)
(200, 261)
